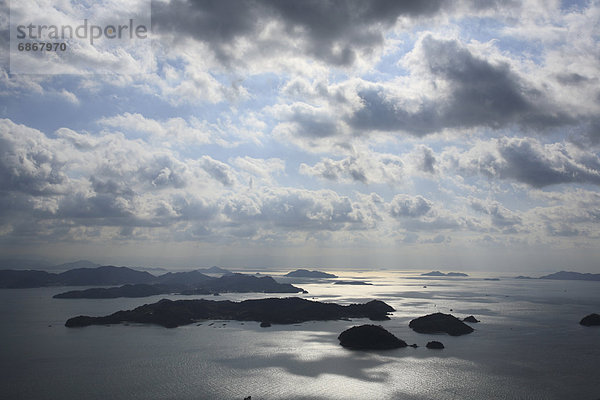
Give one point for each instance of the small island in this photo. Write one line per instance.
(304, 273)
(566, 276)
(572, 276)
(293, 310)
(351, 283)
(435, 345)
(440, 323)
(591, 320)
(369, 337)
(442, 274)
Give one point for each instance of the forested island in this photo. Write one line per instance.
(234, 283)
(171, 314)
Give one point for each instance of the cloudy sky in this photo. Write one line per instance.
(455, 135)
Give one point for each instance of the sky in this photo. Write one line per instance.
(452, 135)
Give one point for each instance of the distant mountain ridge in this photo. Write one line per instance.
(450, 274)
(97, 276)
(233, 283)
(566, 276)
(572, 276)
(304, 273)
(106, 275)
(214, 270)
(183, 277)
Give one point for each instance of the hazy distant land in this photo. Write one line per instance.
(304, 273)
(188, 283)
(142, 284)
(449, 274)
(566, 276)
(351, 283)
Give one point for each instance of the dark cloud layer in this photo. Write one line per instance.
(528, 161)
(333, 31)
(481, 93)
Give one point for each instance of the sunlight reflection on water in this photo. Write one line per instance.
(528, 345)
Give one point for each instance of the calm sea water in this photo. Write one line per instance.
(528, 345)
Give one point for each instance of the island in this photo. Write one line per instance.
(471, 319)
(441, 274)
(183, 278)
(100, 276)
(293, 310)
(351, 283)
(566, 276)
(188, 283)
(369, 337)
(242, 283)
(304, 273)
(440, 323)
(572, 276)
(591, 320)
(106, 275)
(434, 345)
(133, 291)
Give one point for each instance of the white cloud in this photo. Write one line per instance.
(380, 126)
(408, 206)
(366, 168)
(526, 160)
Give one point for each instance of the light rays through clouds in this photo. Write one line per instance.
(385, 134)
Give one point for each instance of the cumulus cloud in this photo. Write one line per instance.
(528, 161)
(218, 170)
(271, 122)
(104, 180)
(403, 205)
(29, 162)
(334, 32)
(77, 181)
(295, 209)
(501, 217)
(263, 169)
(172, 130)
(466, 91)
(364, 168)
(449, 85)
(569, 214)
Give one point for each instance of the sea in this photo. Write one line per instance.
(528, 345)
